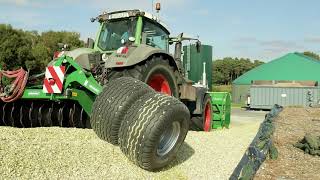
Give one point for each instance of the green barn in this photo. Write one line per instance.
(291, 67)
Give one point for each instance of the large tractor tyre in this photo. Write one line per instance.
(156, 72)
(153, 130)
(204, 121)
(112, 104)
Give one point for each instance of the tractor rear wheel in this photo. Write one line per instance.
(111, 105)
(153, 130)
(156, 72)
(204, 121)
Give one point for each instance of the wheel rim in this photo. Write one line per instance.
(207, 117)
(168, 139)
(160, 84)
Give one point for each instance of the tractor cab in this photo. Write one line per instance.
(123, 28)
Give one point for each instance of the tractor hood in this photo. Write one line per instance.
(135, 54)
(78, 52)
(83, 56)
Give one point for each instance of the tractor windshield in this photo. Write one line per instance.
(114, 32)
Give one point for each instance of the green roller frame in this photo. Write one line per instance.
(78, 86)
(221, 108)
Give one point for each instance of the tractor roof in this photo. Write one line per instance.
(134, 12)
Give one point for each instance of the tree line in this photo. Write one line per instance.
(225, 70)
(33, 51)
(312, 55)
(30, 49)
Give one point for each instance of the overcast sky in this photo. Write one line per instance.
(237, 28)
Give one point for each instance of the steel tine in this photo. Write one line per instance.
(25, 115)
(60, 116)
(35, 115)
(21, 117)
(40, 116)
(30, 118)
(49, 116)
(15, 114)
(82, 120)
(71, 122)
(4, 114)
(11, 118)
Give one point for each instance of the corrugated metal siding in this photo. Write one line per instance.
(193, 62)
(265, 97)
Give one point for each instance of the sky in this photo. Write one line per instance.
(252, 29)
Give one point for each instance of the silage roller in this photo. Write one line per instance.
(22, 105)
(221, 107)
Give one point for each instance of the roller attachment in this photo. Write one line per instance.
(27, 114)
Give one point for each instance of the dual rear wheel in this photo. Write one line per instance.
(140, 111)
(149, 126)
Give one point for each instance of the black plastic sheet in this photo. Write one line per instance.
(259, 149)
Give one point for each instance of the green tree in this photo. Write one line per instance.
(41, 57)
(14, 48)
(51, 39)
(257, 63)
(312, 55)
(32, 50)
(225, 70)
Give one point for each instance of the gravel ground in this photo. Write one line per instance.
(61, 153)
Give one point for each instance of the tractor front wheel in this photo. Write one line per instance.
(156, 72)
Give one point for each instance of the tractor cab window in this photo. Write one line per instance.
(115, 32)
(155, 36)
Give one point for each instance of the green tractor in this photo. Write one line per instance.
(126, 86)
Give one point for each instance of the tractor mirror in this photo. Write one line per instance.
(198, 46)
(90, 43)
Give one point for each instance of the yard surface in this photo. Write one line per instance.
(292, 163)
(61, 153)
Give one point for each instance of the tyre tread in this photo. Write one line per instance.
(112, 104)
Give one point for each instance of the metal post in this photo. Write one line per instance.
(204, 75)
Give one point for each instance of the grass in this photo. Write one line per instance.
(237, 105)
